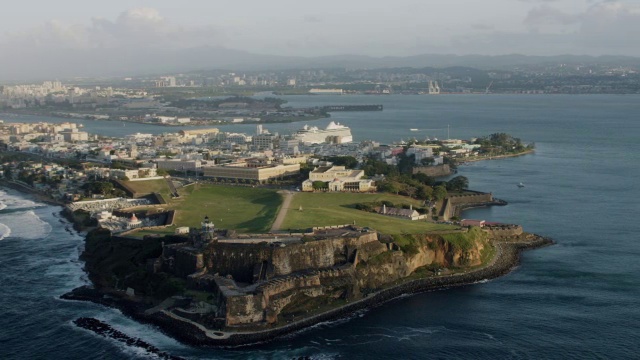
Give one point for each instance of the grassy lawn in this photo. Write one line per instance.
(151, 186)
(250, 210)
(240, 208)
(323, 209)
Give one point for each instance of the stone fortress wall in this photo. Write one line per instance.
(271, 274)
(454, 204)
(503, 230)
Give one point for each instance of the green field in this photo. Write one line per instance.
(249, 210)
(150, 186)
(324, 209)
(240, 208)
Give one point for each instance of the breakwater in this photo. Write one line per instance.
(105, 330)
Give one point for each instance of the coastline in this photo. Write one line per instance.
(497, 157)
(30, 192)
(506, 259)
(196, 123)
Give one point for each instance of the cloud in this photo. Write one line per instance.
(131, 29)
(546, 15)
(604, 27)
(611, 25)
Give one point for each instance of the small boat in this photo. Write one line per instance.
(521, 185)
(413, 129)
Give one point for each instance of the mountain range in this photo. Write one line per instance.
(70, 63)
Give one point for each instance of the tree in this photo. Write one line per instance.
(391, 187)
(406, 163)
(319, 185)
(424, 192)
(424, 179)
(348, 161)
(440, 192)
(375, 167)
(102, 187)
(427, 161)
(458, 183)
(408, 190)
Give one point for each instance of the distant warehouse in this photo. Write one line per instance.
(246, 171)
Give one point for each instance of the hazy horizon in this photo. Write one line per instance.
(116, 37)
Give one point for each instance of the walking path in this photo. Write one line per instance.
(288, 196)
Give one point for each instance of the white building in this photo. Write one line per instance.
(410, 213)
(339, 178)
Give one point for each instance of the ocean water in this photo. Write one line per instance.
(576, 299)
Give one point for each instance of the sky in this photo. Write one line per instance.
(330, 27)
(79, 37)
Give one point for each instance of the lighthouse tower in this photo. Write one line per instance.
(207, 228)
(204, 235)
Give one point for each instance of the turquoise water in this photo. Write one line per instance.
(577, 299)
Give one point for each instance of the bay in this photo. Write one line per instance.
(577, 299)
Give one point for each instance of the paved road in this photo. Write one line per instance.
(288, 196)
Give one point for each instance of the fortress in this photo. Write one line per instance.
(253, 279)
(217, 287)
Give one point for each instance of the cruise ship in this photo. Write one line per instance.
(334, 133)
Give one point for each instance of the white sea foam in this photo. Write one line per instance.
(70, 271)
(2, 197)
(26, 225)
(5, 231)
(147, 333)
(10, 201)
(128, 350)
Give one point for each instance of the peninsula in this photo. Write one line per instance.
(221, 289)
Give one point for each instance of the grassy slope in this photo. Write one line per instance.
(323, 209)
(465, 241)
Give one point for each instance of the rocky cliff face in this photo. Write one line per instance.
(119, 263)
(434, 251)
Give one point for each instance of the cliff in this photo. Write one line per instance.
(118, 263)
(409, 253)
(259, 284)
